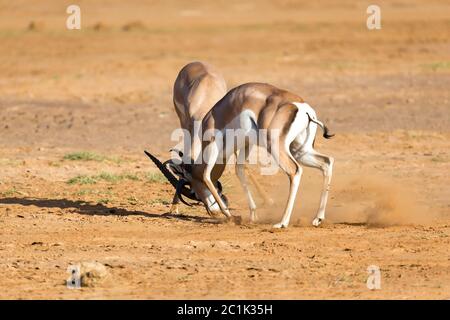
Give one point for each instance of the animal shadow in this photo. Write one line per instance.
(86, 208)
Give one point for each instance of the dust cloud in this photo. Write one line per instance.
(359, 199)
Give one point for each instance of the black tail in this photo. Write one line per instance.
(325, 129)
(327, 135)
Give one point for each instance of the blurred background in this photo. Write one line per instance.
(117, 72)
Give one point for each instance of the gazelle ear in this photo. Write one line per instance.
(177, 151)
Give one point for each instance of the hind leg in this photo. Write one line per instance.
(266, 199)
(294, 172)
(240, 172)
(324, 163)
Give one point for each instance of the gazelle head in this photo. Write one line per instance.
(185, 185)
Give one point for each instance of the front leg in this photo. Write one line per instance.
(176, 197)
(215, 194)
(212, 153)
(175, 203)
(240, 172)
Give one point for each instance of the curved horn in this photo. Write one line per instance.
(220, 189)
(180, 186)
(219, 186)
(170, 177)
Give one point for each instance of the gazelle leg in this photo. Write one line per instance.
(261, 192)
(325, 164)
(176, 198)
(294, 171)
(212, 151)
(175, 202)
(240, 172)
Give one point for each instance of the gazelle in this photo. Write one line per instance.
(250, 108)
(197, 88)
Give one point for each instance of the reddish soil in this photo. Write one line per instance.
(106, 89)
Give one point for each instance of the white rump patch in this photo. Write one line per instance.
(304, 107)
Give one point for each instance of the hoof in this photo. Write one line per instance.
(215, 214)
(236, 219)
(174, 209)
(279, 226)
(253, 216)
(316, 222)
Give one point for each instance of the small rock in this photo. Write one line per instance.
(93, 273)
(35, 26)
(120, 266)
(254, 269)
(134, 25)
(99, 26)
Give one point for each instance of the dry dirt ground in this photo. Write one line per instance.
(106, 90)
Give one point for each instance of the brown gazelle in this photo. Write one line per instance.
(250, 108)
(197, 88)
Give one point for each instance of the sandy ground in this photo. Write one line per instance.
(106, 89)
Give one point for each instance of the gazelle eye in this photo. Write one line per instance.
(180, 154)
